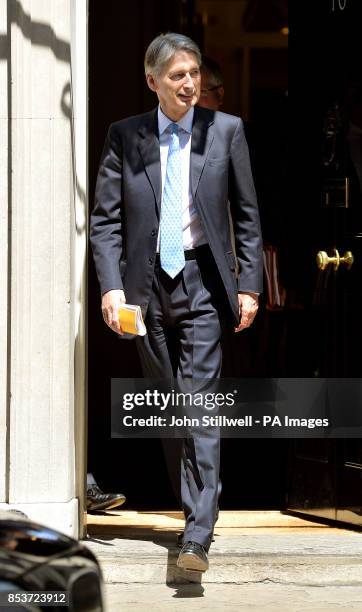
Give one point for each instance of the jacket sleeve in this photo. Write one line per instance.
(245, 215)
(105, 221)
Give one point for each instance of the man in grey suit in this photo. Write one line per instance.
(161, 238)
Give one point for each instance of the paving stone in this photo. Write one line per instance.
(232, 598)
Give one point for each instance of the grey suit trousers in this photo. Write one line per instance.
(184, 323)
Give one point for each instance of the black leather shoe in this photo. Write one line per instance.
(97, 500)
(193, 557)
(180, 537)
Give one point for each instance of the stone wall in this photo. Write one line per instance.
(43, 214)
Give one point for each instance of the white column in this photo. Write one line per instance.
(4, 313)
(47, 269)
(79, 63)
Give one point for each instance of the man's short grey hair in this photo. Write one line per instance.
(213, 69)
(164, 47)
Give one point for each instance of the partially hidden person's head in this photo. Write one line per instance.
(212, 84)
(172, 68)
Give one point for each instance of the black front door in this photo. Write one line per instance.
(318, 333)
(326, 181)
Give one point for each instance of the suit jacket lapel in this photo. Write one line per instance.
(202, 137)
(149, 148)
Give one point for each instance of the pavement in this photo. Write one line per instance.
(232, 598)
(262, 561)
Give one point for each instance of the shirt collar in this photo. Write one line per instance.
(185, 122)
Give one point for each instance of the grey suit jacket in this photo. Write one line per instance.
(124, 223)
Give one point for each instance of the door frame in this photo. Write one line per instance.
(79, 256)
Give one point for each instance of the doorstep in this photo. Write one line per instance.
(250, 547)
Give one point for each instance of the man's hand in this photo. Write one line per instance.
(248, 307)
(111, 302)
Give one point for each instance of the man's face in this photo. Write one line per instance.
(212, 94)
(178, 86)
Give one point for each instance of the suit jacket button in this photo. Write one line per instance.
(150, 260)
(153, 233)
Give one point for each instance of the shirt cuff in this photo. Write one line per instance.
(249, 291)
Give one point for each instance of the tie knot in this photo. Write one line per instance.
(174, 128)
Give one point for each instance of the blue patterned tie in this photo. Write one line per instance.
(171, 243)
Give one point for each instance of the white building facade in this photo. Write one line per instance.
(43, 251)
